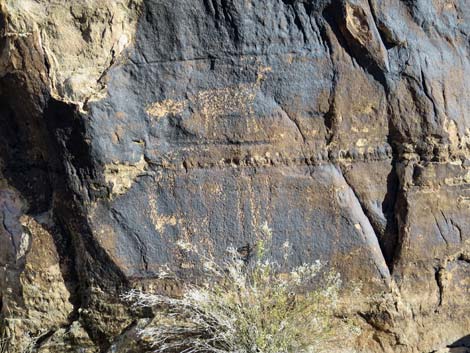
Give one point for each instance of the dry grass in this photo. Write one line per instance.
(245, 307)
(9, 345)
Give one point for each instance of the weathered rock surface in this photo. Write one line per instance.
(129, 125)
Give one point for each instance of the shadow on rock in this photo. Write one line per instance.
(462, 345)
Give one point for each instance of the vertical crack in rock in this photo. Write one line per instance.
(441, 231)
(294, 121)
(386, 257)
(385, 34)
(330, 116)
(392, 229)
(364, 227)
(299, 21)
(10, 233)
(387, 235)
(438, 275)
(428, 94)
(388, 238)
(397, 222)
(356, 32)
(459, 230)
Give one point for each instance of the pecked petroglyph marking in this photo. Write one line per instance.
(463, 201)
(160, 221)
(168, 106)
(121, 176)
(214, 102)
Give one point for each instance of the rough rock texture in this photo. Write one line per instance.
(127, 126)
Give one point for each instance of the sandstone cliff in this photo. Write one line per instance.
(128, 125)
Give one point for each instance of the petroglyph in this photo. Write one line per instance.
(121, 176)
(212, 103)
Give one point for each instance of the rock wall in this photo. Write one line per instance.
(128, 126)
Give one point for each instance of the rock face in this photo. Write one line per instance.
(128, 126)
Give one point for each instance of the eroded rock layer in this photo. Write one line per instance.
(129, 126)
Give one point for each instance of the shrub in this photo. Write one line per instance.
(245, 307)
(3, 345)
(28, 342)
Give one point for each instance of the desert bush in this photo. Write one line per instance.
(245, 306)
(7, 347)
(3, 345)
(8, 344)
(4, 341)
